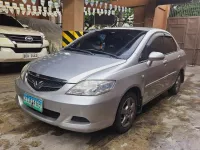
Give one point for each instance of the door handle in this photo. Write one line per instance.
(165, 62)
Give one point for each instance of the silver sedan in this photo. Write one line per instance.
(102, 79)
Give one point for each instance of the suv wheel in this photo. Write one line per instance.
(176, 87)
(126, 113)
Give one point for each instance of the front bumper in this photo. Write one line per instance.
(100, 110)
(8, 55)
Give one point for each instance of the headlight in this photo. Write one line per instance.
(91, 88)
(2, 36)
(23, 72)
(43, 36)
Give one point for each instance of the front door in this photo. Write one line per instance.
(154, 75)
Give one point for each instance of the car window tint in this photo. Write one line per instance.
(114, 41)
(169, 45)
(9, 21)
(154, 45)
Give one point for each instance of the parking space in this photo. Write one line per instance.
(167, 123)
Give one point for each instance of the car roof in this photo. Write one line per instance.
(135, 28)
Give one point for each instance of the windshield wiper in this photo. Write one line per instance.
(79, 50)
(104, 53)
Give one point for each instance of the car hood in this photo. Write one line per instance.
(18, 31)
(72, 66)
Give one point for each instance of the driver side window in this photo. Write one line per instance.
(154, 45)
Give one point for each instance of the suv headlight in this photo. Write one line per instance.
(2, 36)
(43, 36)
(91, 88)
(24, 71)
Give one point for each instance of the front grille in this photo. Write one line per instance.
(27, 50)
(44, 83)
(22, 38)
(48, 113)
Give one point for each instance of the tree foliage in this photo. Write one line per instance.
(185, 10)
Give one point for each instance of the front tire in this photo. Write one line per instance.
(176, 87)
(126, 113)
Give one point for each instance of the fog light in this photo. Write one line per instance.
(80, 119)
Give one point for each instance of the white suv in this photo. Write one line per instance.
(18, 43)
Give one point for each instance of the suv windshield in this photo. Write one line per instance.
(118, 43)
(9, 21)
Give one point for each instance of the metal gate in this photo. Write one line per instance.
(186, 31)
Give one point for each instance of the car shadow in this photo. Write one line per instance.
(101, 138)
(11, 68)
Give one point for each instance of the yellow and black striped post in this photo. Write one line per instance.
(70, 36)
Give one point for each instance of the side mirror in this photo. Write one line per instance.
(25, 26)
(155, 56)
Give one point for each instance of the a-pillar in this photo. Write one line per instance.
(73, 18)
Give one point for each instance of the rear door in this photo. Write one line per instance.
(172, 58)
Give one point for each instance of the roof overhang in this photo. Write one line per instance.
(134, 3)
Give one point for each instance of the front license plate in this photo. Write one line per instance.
(30, 55)
(33, 102)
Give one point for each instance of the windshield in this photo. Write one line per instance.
(114, 42)
(9, 21)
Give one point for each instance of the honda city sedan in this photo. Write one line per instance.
(102, 79)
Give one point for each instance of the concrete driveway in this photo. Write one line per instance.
(167, 123)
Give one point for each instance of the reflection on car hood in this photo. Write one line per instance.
(71, 66)
(18, 31)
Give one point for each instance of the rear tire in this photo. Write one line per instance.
(176, 87)
(126, 113)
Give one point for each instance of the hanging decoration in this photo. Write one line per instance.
(110, 6)
(93, 11)
(119, 8)
(102, 12)
(18, 10)
(96, 3)
(56, 5)
(45, 9)
(100, 4)
(89, 11)
(23, 10)
(122, 9)
(11, 10)
(7, 4)
(42, 2)
(105, 11)
(33, 2)
(24, 1)
(1, 3)
(14, 5)
(109, 12)
(28, 7)
(86, 2)
(113, 12)
(28, 12)
(40, 8)
(115, 7)
(55, 14)
(98, 11)
(92, 3)
(34, 8)
(125, 9)
(33, 13)
(44, 14)
(50, 3)
(105, 5)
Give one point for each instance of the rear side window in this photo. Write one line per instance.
(169, 45)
